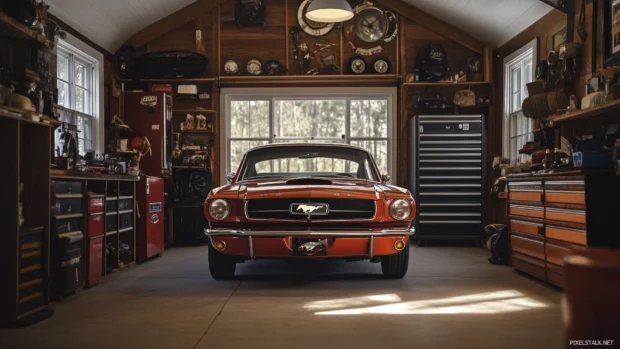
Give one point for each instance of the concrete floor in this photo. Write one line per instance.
(451, 298)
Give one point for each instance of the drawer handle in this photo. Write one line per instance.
(541, 230)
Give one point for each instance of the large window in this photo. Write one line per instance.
(361, 121)
(518, 72)
(77, 84)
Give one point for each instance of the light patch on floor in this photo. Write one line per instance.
(483, 303)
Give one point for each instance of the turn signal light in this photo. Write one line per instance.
(220, 246)
(400, 245)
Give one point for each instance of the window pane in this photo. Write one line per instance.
(80, 100)
(63, 94)
(85, 127)
(63, 68)
(79, 77)
(516, 80)
(238, 149)
(516, 102)
(378, 149)
(310, 166)
(369, 119)
(310, 118)
(249, 119)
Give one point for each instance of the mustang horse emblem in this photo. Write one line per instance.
(307, 208)
(311, 248)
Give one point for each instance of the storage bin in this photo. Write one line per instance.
(62, 187)
(96, 204)
(111, 205)
(96, 224)
(126, 220)
(125, 204)
(68, 206)
(111, 223)
(62, 226)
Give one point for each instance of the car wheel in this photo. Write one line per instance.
(395, 266)
(221, 266)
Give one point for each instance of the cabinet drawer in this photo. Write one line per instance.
(69, 225)
(555, 278)
(96, 224)
(574, 236)
(565, 197)
(68, 206)
(555, 254)
(126, 220)
(525, 227)
(529, 247)
(526, 195)
(125, 204)
(96, 204)
(111, 223)
(61, 187)
(95, 262)
(562, 215)
(527, 211)
(111, 205)
(528, 266)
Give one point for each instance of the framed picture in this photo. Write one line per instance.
(611, 32)
(558, 39)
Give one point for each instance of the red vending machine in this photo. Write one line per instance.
(149, 115)
(150, 233)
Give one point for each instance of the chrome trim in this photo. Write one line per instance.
(450, 161)
(527, 223)
(451, 135)
(456, 121)
(297, 220)
(450, 142)
(565, 182)
(567, 229)
(519, 184)
(451, 154)
(450, 222)
(561, 210)
(450, 177)
(267, 233)
(371, 248)
(452, 149)
(451, 168)
(565, 191)
(295, 213)
(529, 208)
(251, 247)
(451, 116)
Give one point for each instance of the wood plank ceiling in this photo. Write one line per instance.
(110, 23)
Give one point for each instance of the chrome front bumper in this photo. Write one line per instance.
(275, 233)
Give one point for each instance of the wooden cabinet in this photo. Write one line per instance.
(552, 216)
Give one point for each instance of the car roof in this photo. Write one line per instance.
(332, 145)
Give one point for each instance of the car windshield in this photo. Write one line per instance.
(308, 161)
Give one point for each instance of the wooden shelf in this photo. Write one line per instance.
(310, 80)
(172, 81)
(206, 111)
(22, 31)
(449, 84)
(611, 107)
(195, 132)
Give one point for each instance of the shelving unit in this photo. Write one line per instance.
(606, 109)
(21, 31)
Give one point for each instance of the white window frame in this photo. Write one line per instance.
(88, 56)
(274, 94)
(516, 59)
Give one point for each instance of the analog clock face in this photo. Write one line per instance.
(311, 27)
(255, 67)
(231, 67)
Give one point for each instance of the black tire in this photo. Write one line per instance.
(396, 265)
(221, 266)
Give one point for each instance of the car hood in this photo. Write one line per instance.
(309, 188)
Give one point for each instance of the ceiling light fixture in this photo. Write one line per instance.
(329, 11)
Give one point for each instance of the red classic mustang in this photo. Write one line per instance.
(309, 201)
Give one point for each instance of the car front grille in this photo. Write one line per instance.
(339, 209)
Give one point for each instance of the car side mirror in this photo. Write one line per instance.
(385, 178)
(230, 177)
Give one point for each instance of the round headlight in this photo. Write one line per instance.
(219, 209)
(400, 209)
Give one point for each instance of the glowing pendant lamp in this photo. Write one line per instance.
(329, 11)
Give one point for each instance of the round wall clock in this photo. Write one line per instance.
(382, 66)
(371, 25)
(255, 67)
(311, 27)
(358, 65)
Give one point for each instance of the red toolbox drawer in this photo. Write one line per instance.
(96, 225)
(96, 204)
(95, 261)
